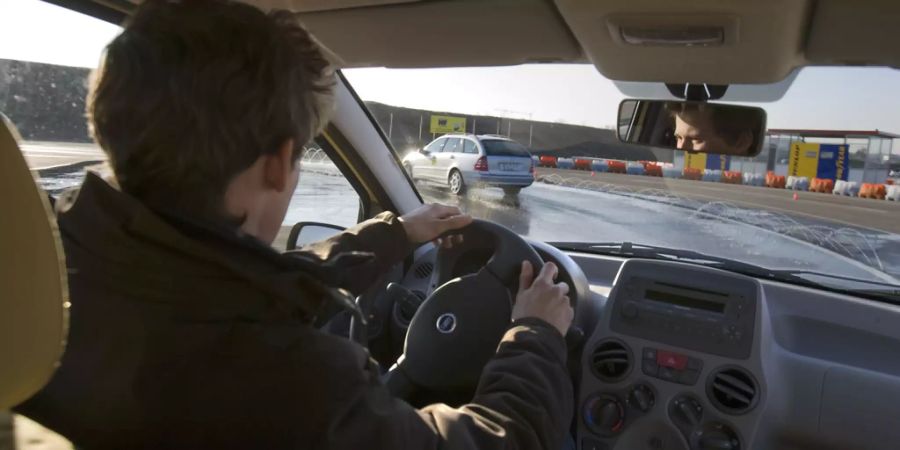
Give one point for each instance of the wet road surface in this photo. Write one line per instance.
(855, 212)
(45, 155)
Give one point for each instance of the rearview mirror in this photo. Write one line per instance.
(304, 233)
(693, 126)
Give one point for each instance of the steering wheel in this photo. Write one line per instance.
(457, 328)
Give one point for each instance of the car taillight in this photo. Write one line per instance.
(481, 165)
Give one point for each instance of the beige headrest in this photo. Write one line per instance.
(34, 298)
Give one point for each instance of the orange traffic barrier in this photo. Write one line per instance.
(691, 173)
(872, 190)
(775, 181)
(823, 185)
(617, 166)
(652, 170)
(547, 161)
(732, 177)
(582, 164)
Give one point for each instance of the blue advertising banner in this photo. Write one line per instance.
(715, 161)
(834, 162)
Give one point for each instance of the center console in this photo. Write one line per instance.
(674, 362)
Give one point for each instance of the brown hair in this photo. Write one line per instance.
(193, 92)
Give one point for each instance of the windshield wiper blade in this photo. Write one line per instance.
(630, 249)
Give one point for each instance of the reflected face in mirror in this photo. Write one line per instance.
(697, 131)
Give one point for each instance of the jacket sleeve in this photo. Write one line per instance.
(382, 238)
(524, 401)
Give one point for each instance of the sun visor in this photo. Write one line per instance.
(771, 92)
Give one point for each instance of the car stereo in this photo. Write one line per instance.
(685, 305)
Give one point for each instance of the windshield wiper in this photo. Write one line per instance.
(632, 250)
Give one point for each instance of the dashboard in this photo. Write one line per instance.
(680, 356)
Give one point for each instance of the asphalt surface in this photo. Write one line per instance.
(847, 236)
(826, 208)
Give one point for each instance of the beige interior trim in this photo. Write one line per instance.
(324, 5)
(34, 298)
(765, 39)
(446, 34)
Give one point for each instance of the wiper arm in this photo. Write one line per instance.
(653, 252)
(633, 250)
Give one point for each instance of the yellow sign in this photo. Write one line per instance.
(448, 124)
(803, 160)
(695, 160)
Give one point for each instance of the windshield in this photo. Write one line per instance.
(497, 147)
(590, 188)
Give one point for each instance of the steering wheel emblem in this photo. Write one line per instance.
(446, 323)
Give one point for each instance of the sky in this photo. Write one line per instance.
(820, 98)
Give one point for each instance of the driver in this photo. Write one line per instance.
(187, 330)
(714, 128)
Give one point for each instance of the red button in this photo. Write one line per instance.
(672, 360)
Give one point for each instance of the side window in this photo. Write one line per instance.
(469, 147)
(323, 194)
(435, 147)
(43, 92)
(453, 145)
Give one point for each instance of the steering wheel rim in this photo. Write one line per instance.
(455, 331)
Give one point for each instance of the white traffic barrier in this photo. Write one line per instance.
(714, 176)
(634, 168)
(848, 188)
(671, 172)
(565, 163)
(797, 183)
(599, 165)
(754, 179)
(893, 192)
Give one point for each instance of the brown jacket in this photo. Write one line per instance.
(185, 336)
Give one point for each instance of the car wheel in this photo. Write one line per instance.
(512, 191)
(456, 183)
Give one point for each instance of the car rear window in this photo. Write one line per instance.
(497, 147)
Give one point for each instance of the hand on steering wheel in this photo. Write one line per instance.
(542, 298)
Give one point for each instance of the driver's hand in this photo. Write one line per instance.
(427, 222)
(543, 298)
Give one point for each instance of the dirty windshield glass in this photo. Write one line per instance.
(821, 196)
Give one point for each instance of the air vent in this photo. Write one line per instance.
(732, 390)
(611, 361)
(406, 310)
(423, 270)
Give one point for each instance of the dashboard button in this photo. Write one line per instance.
(650, 368)
(667, 373)
(694, 364)
(642, 398)
(604, 415)
(689, 377)
(650, 353)
(670, 359)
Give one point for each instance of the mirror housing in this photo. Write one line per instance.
(303, 233)
(698, 127)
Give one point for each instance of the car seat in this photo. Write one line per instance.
(34, 298)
